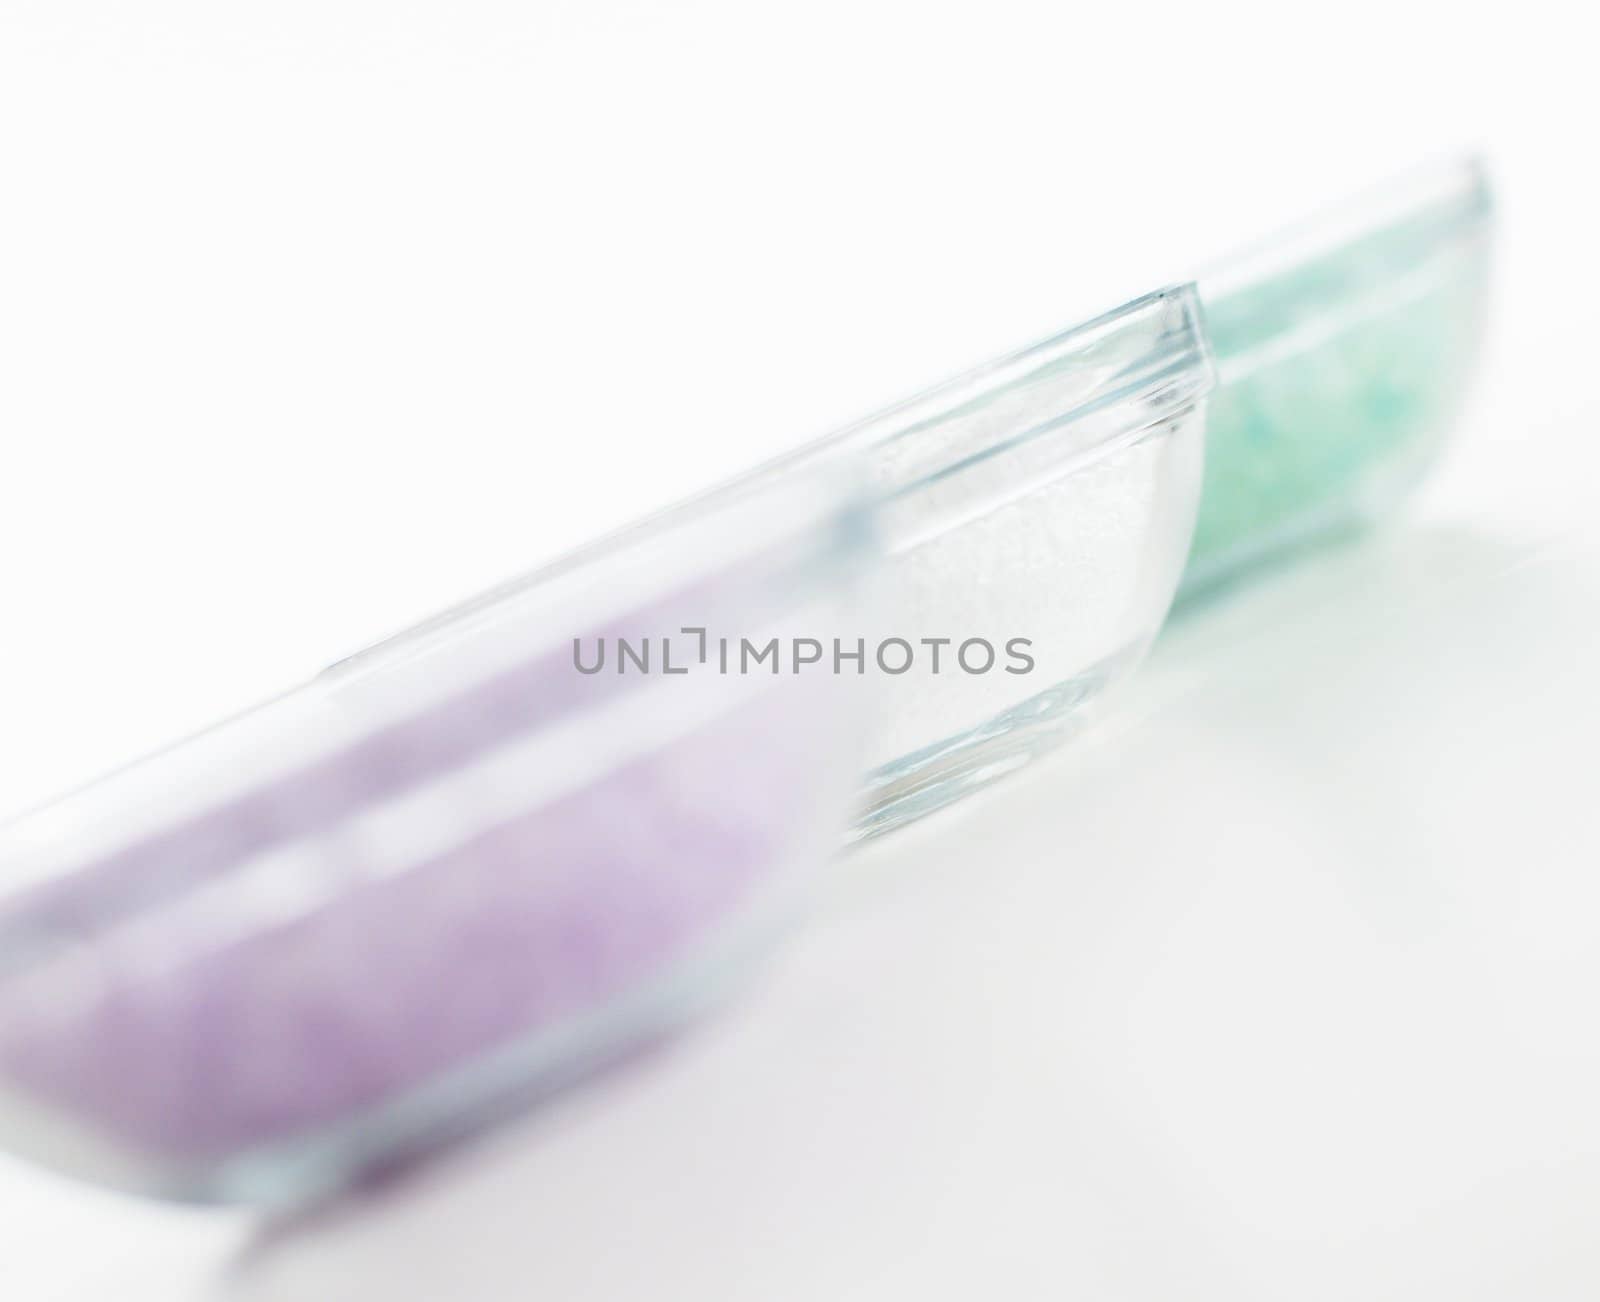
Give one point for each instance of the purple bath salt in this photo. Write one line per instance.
(414, 974)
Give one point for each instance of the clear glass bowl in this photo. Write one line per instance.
(449, 875)
(1344, 350)
(1035, 515)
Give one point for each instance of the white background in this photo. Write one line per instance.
(316, 316)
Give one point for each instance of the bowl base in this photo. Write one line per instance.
(928, 779)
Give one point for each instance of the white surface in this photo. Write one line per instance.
(312, 321)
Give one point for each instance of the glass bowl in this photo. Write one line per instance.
(449, 875)
(1034, 515)
(1344, 350)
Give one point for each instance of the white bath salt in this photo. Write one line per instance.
(1064, 583)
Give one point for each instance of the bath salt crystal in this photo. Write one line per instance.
(1065, 568)
(409, 976)
(1039, 508)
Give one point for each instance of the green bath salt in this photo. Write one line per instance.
(1343, 354)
